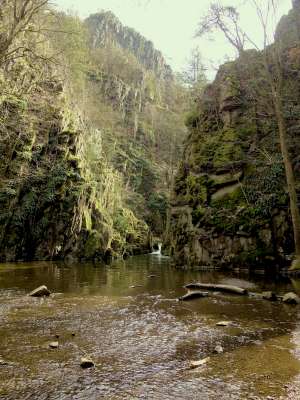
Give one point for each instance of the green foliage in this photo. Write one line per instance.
(228, 149)
(264, 188)
(158, 206)
(192, 119)
(69, 39)
(93, 244)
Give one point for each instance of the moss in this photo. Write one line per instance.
(228, 150)
(192, 119)
(12, 100)
(87, 219)
(93, 244)
(197, 189)
(198, 214)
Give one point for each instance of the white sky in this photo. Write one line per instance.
(171, 25)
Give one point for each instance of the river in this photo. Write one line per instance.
(127, 319)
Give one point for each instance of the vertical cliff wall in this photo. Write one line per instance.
(230, 203)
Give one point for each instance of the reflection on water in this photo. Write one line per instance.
(127, 319)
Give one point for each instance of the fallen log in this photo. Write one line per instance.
(193, 295)
(219, 288)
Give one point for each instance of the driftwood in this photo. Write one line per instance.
(193, 295)
(219, 288)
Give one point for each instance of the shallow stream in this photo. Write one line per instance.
(127, 319)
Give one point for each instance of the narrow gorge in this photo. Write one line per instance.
(149, 205)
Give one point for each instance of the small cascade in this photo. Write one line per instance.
(157, 252)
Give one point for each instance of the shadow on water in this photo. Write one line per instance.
(126, 317)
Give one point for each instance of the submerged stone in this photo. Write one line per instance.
(291, 298)
(40, 292)
(223, 323)
(86, 363)
(269, 296)
(193, 295)
(196, 364)
(218, 349)
(3, 362)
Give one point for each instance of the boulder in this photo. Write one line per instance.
(291, 298)
(40, 292)
(86, 362)
(269, 296)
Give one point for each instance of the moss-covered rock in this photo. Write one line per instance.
(230, 204)
(51, 205)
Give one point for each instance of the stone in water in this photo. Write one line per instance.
(86, 363)
(223, 323)
(196, 364)
(40, 292)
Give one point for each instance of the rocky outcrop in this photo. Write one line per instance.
(288, 30)
(106, 30)
(230, 203)
(128, 99)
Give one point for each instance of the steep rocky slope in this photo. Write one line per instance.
(50, 206)
(230, 203)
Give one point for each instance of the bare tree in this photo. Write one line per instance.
(226, 20)
(15, 19)
(274, 71)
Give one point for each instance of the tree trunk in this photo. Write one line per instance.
(290, 178)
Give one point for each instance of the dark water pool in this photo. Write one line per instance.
(126, 318)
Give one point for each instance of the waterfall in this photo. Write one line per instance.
(157, 252)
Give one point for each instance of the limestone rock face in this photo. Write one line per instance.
(230, 204)
(48, 205)
(106, 29)
(132, 93)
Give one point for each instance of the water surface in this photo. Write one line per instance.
(126, 318)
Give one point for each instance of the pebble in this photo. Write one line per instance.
(219, 349)
(53, 345)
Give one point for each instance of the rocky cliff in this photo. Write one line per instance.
(230, 203)
(106, 30)
(53, 203)
(131, 76)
